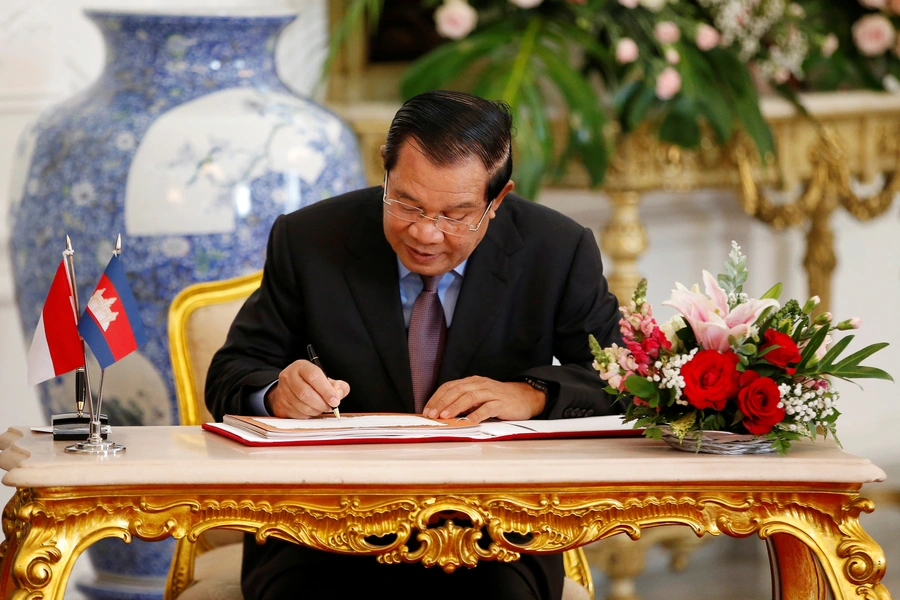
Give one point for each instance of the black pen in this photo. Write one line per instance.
(314, 358)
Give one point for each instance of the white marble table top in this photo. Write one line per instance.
(188, 455)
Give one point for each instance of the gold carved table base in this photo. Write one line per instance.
(813, 531)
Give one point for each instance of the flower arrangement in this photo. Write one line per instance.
(675, 65)
(728, 362)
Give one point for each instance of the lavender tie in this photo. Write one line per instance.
(427, 333)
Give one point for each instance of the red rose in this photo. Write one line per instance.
(710, 379)
(758, 401)
(786, 354)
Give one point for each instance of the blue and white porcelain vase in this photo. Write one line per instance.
(190, 145)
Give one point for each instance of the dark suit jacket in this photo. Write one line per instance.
(533, 289)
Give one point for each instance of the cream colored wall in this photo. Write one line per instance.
(48, 51)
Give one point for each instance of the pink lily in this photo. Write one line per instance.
(709, 316)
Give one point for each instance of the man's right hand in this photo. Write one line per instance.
(303, 391)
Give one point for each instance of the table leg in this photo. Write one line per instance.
(38, 553)
(838, 551)
(796, 574)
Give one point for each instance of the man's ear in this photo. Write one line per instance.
(510, 186)
(383, 148)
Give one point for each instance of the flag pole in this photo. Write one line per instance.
(116, 252)
(82, 377)
(95, 444)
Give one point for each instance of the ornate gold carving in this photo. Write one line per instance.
(624, 240)
(49, 528)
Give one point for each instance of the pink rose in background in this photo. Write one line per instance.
(672, 56)
(709, 316)
(829, 45)
(708, 37)
(668, 83)
(667, 32)
(781, 75)
(626, 51)
(876, 4)
(653, 5)
(873, 35)
(526, 3)
(455, 19)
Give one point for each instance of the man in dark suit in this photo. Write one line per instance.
(362, 277)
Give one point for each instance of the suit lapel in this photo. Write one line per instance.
(374, 282)
(491, 274)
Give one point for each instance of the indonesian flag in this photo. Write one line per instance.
(111, 324)
(56, 348)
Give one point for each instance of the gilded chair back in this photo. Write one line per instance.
(199, 319)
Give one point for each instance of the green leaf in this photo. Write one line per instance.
(356, 11)
(701, 83)
(653, 433)
(811, 346)
(640, 387)
(744, 96)
(534, 109)
(781, 445)
(596, 348)
(443, 65)
(680, 125)
(833, 431)
(636, 111)
(826, 361)
(584, 40)
(773, 293)
(585, 117)
(861, 372)
(858, 356)
(625, 93)
(530, 163)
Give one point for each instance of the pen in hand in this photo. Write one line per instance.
(314, 359)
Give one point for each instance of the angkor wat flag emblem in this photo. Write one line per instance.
(111, 324)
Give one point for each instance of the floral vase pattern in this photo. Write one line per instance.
(190, 145)
(132, 571)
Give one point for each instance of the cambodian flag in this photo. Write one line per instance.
(56, 348)
(111, 325)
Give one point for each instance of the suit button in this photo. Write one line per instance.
(567, 413)
(589, 412)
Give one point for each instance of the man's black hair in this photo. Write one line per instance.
(453, 127)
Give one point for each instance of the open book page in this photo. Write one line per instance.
(350, 426)
(373, 428)
(608, 423)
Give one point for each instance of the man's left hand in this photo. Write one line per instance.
(480, 398)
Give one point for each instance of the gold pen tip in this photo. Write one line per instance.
(337, 413)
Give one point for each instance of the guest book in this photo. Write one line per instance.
(381, 428)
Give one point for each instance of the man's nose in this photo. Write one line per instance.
(425, 231)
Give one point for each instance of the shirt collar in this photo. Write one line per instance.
(459, 270)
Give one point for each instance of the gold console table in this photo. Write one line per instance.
(428, 503)
(847, 157)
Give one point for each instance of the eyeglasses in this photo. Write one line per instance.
(413, 214)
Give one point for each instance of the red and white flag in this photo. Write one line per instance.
(56, 347)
